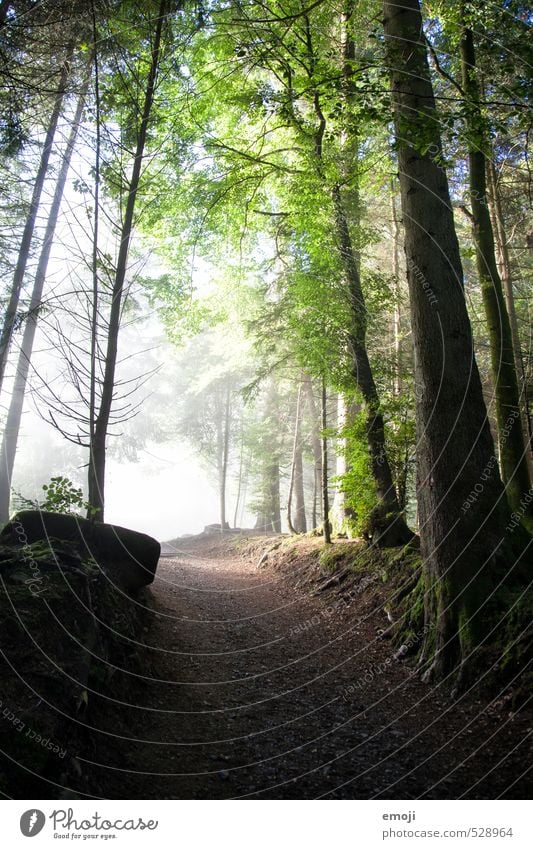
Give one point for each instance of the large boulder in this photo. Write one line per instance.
(128, 557)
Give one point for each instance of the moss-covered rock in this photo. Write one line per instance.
(65, 634)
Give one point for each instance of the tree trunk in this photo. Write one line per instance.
(397, 316)
(317, 449)
(338, 508)
(461, 501)
(514, 468)
(12, 428)
(325, 477)
(98, 443)
(300, 518)
(240, 487)
(95, 502)
(225, 456)
(387, 525)
(268, 504)
(275, 506)
(296, 483)
(6, 333)
(504, 267)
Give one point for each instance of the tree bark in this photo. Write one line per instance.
(514, 468)
(6, 334)
(462, 507)
(12, 428)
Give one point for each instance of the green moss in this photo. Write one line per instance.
(355, 556)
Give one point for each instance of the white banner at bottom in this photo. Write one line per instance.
(267, 824)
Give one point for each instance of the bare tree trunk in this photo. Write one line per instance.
(12, 428)
(513, 461)
(97, 457)
(325, 477)
(6, 334)
(462, 512)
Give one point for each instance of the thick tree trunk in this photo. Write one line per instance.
(6, 334)
(462, 507)
(98, 444)
(514, 468)
(12, 428)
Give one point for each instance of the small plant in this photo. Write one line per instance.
(61, 496)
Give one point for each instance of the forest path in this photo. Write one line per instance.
(266, 693)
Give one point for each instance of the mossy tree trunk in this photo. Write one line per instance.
(462, 506)
(512, 448)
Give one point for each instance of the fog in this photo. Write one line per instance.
(165, 493)
(155, 480)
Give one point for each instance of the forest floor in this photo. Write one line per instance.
(257, 689)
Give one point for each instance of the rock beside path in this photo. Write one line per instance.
(127, 557)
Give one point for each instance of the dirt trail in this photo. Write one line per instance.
(259, 692)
